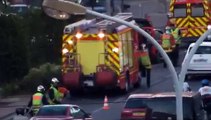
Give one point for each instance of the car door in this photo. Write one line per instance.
(79, 114)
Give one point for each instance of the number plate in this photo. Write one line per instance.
(200, 60)
(139, 114)
(89, 83)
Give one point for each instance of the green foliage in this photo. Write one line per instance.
(13, 50)
(40, 76)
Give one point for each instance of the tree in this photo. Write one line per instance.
(13, 59)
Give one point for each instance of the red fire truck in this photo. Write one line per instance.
(100, 53)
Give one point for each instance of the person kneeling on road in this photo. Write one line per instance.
(37, 100)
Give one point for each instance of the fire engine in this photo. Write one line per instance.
(191, 16)
(100, 53)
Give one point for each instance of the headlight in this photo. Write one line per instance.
(65, 50)
(78, 35)
(209, 27)
(101, 35)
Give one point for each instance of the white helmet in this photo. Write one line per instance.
(54, 80)
(40, 88)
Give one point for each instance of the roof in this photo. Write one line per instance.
(202, 44)
(65, 105)
(159, 95)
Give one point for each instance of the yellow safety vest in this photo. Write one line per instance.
(56, 95)
(36, 102)
(166, 43)
(176, 36)
(145, 60)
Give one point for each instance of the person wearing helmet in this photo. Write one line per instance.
(145, 65)
(205, 89)
(167, 43)
(54, 94)
(205, 92)
(38, 99)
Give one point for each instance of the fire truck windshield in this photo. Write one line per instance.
(197, 10)
(180, 10)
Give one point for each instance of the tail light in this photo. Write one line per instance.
(126, 114)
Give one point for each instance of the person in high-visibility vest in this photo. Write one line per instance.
(175, 53)
(38, 99)
(145, 64)
(168, 43)
(53, 93)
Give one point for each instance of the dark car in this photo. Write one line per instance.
(61, 112)
(161, 106)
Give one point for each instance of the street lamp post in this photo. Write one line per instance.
(61, 9)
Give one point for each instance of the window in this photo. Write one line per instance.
(162, 106)
(52, 111)
(203, 50)
(77, 113)
(130, 49)
(180, 11)
(197, 10)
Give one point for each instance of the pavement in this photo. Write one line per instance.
(9, 104)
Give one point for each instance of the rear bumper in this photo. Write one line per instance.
(198, 72)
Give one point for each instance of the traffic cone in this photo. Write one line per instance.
(105, 105)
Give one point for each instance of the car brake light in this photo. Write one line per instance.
(126, 113)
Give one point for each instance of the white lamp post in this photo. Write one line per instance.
(61, 9)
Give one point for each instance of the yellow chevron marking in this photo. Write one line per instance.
(113, 44)
(115, 36)
(183, 23)
(110, 38)
(94, 35)
(201, 22)
(195, 30)
(178, 20)
(85, 35)
(192, 32)
(113, 54)
(116, 44)
(113, 61)
(206, 14)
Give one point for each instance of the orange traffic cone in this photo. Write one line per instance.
(105, 106)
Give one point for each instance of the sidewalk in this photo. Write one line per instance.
(9, 104)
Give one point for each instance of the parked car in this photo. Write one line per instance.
(161, 106)
(200, 63)
(61, 112)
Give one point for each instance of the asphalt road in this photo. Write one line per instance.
(92, 102)
(161, 82)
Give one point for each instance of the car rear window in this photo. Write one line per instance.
(203, 50)
(52, 111)
(161, 105)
